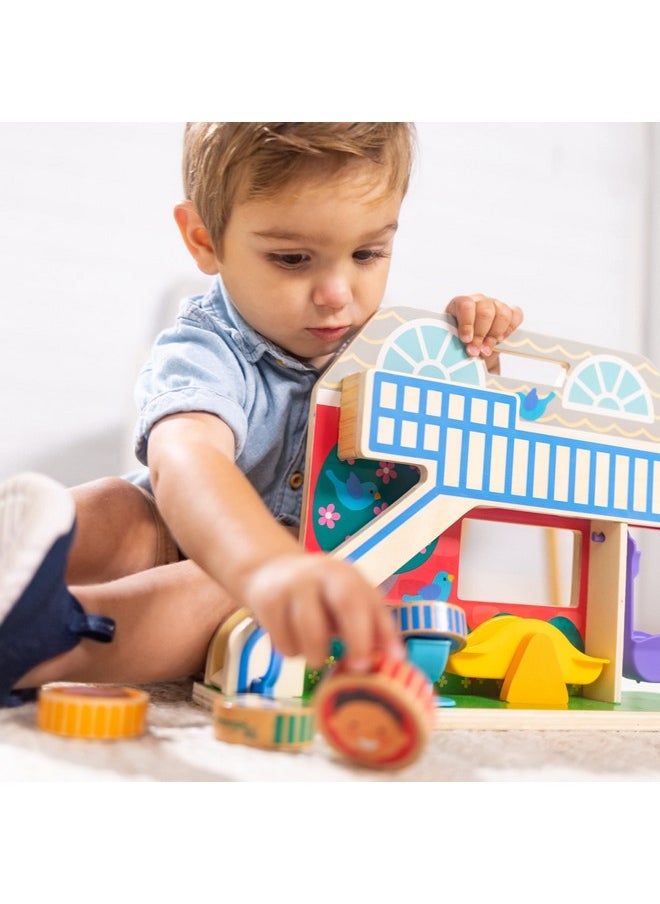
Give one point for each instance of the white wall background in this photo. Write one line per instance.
(87, 249)
(558, 218)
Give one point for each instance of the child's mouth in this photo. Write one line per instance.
(329, 334)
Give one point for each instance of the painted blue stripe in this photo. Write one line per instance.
(552, 470)
(649, 488)
(508, 477)
(244, 660)
(631, 479)
(591, 489)
(488, 455)
(571, 473)
(612, 482)
(465, 445)
(400, 520)
(531, 458)
(624, 513)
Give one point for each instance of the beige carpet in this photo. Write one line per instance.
(180, 747)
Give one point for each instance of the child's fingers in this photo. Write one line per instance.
(463, 308)
(354, 612)
(482, 322)
(489, 321)
(505, 321)
(312, 625)
(274, 616)
(516, 319)
(303, 602)
(501, 326)
(363, 621)
(388, 638)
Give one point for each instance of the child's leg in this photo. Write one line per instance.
(165, 618)
(119, 532)
(166, 615)
(39, 617)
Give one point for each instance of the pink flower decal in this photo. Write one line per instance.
(380, 508)
(328, 515)
(386, 471)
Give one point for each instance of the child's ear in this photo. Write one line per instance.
(196, 237)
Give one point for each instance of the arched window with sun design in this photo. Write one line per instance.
(608, 385)
(428, 348)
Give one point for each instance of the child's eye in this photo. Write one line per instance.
(289, 261)
(367, 255)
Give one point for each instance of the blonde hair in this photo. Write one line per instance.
(228, 161)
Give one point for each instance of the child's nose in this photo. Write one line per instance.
(332, 292)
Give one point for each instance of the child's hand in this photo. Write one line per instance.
(304, 601)
(483, 322)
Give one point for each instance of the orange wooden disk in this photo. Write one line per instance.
(382, 718)
(101, 712)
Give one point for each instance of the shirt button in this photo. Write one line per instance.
(296, 480)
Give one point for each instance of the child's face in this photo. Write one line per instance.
(308, 267)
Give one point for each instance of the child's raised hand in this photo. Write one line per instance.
(483, 322)
(306, 600)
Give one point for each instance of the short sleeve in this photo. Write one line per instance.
(194, 366)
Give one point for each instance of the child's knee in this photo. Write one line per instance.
(120, 531)
(106, 494)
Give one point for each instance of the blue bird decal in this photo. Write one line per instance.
(438, 589)
(353, 493)
(531, 406)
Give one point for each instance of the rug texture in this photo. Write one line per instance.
(180, 746)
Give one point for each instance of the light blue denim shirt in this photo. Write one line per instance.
(212, 360)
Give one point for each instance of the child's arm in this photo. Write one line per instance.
(302, 600)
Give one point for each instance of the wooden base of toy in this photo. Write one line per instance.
(92, 711)
(205, 695)
(380, 719)
(638, 711)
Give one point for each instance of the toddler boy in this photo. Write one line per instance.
(296, 222)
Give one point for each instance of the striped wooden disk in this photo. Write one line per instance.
(258, 721)
(431, 618)
(382, 718)
(100, 712)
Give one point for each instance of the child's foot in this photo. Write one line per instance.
(39, 618)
